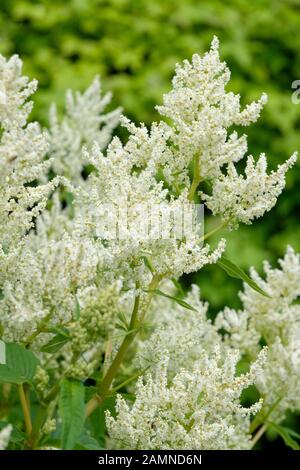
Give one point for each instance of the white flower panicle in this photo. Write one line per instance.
(116, 183)
(199, 409)
(276, 322)
(202, 112)
(44, 283)
(83, 124)
(22, 151)
(242, 198)
(77, 262)
(175, 325)
(14, 91)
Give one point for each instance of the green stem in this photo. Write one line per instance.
(214, 230)
(37, 426)
(112, 371)
(25, 409)
(259, 434)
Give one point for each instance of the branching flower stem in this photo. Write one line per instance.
(134, 326)
(259, 434)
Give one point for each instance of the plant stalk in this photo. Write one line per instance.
(135, 323)
(259, 434)
(25, 409)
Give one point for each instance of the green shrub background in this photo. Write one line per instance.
(134, 45)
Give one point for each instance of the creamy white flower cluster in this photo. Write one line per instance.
(118, 184)
(274, 321)
(203, 113)
(5, 436)
(60, 272)
(175, 325)
(241, 198)
(22, 152)
(83, 124)
(199, 409)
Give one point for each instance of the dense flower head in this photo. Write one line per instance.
(274, 320)
(82, 125)
(182, 332)
(22, 151)
(199, 409)
(77, 266)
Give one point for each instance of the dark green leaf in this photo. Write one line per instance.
(97, 419)
(72, 411)
(286, 435)
(17, 364)
(55, 344)
(234, 271)
(87, 442)
(176, 299)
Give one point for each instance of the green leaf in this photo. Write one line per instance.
(58, 330)
(72, 412)
(130, 379)
(176, 299)
(286, 435)
(87, 442)
(234, 271)
(148, 263)
(262, 416)
(97, 419)
(178, 286)
(122, 323)
(56, 343)
(17, 365)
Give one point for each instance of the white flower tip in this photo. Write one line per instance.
(3, 98)
(214, 44)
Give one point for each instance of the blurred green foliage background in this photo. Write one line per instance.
(134, 45)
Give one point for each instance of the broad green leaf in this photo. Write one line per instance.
(72, 411)
(18, 365)
(286, 435)
(87, 442)
(176, 299)
(234, 271)
(97, 419)
(55, 344)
